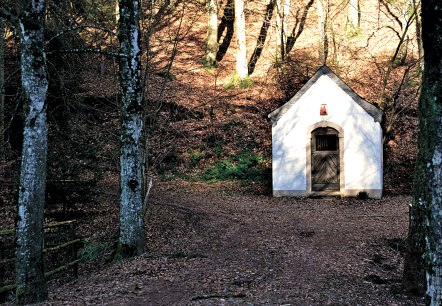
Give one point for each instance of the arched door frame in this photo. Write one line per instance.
(324, 124)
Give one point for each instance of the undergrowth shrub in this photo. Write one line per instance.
(195, 157)
(245, 167)
(94, 250)
(236, 82)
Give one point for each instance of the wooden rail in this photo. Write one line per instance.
(72, 243)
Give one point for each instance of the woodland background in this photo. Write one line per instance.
(193, 121)
(200, 128)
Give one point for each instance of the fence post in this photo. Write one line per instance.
(2, 271)
(74, 248)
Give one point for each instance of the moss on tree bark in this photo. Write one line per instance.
(30, 279)
(423, 264)
(131, 241)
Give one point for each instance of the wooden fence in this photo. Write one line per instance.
(59, 237)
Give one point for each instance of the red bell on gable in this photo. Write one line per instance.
(323, 110)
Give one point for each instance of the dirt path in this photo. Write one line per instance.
(214, 248)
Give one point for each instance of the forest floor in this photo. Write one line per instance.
(220, 245)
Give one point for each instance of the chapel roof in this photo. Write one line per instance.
(372, 110)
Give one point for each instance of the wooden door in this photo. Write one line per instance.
(325, 159)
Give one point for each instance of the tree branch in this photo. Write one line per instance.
(393, 29)
(8, 15)
(88, 50)
(81, 27)
(390, 12)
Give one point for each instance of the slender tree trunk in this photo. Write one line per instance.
(298, 27)
(279, 32)
(285, 24)
(131, 179)
(423, 262)
(241, 54)
(212, 33)
(2, 91)
(353, 16)
(262, 37)
(31, 285)
(403, 51)
(227, 23)
(323, 9)
(282, 13)
(417, 9)
(117, 12)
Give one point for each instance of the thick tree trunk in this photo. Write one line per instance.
(131, 179)
(2, 91)
(414, 265)
(323, 10)
(212, 33)
(431, 144)
(425, 230)
(241, 54)
(31, 285)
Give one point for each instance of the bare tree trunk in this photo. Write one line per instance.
(285, 24)
(31, 284)
(131, 240)
(212, 33)
(429, 188)
(2, 90)
(279, 32)
(353, 16)
(241, 54)
(262, 37)
(323, 10)
(414, 264)
(117, 12)
(403, 51)
(423, 262)
(417, 9)
(298, 27)
(227, 23)
(282, 14)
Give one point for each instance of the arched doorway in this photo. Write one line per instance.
(325, 159)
